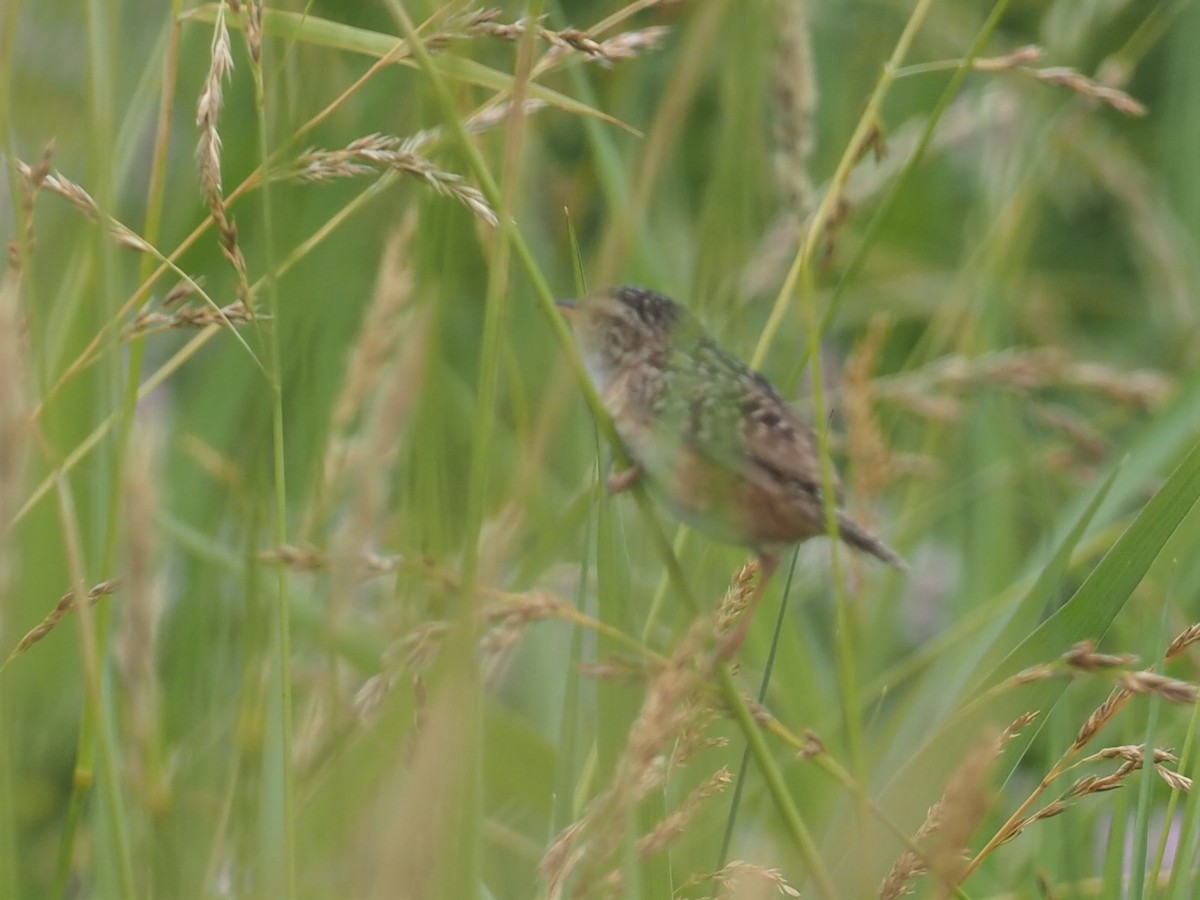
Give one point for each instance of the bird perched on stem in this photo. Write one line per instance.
(717, 443)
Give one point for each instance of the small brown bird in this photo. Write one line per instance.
(720, 447)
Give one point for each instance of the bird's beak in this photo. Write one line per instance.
(569, 309)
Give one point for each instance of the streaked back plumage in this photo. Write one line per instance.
(723, 448)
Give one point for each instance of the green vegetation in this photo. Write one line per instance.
(290, 424)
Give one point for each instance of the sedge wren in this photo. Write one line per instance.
(718, 444)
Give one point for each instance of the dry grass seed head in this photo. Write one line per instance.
(135, 646)
(693, 737)
(1099, 784)
(1041, 672)
(381, 326)
(563, 857)
(189, 287)
(1050, 810)
(615, 670)
(1174, 780)
(485, 23)
(1087, 87)
(1084, 658)
(1143, 683)
(737, 597)
(30, 186)
(761, 715)
(254, 30)
(208, 152)
(870, 462)
(1151, 684)
(619, 47)
(1119, 696)
(496, 647)
(640, 769)
(1132, 753)
(486, 118)
(498, 535)
(68, 190)
(1026, 371)
(409, 832)
(909, 866)
(1069, 423)
(368, 700)
(813, 745)
(963, 806)
(1183, 640)
(521, 609)
(460, 25)
(509, 618)
(151, 322)
(630, 44)
(15, 426)
(1133, 759)
(14, 402)
(676, 823)
(302, 559)
(1084, 785)
(208, 111)
(794, 102)
(741, 880)
(65, 604)
(1101, 716)
(378, 151)
(1022, 56)
(1019, 724)
(369, 470)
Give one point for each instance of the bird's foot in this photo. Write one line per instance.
(623, 481)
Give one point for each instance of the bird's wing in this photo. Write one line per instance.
(734, 417)
(779, 445)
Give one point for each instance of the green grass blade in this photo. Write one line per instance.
(1008, 632)
(1093, 607)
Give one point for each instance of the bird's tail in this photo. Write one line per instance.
(861, 539)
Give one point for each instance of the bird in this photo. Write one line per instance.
(715, 441)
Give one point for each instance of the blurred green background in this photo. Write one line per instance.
(1008, 354)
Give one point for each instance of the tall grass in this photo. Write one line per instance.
(309, 585)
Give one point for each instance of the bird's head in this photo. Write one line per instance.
(620, 326)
